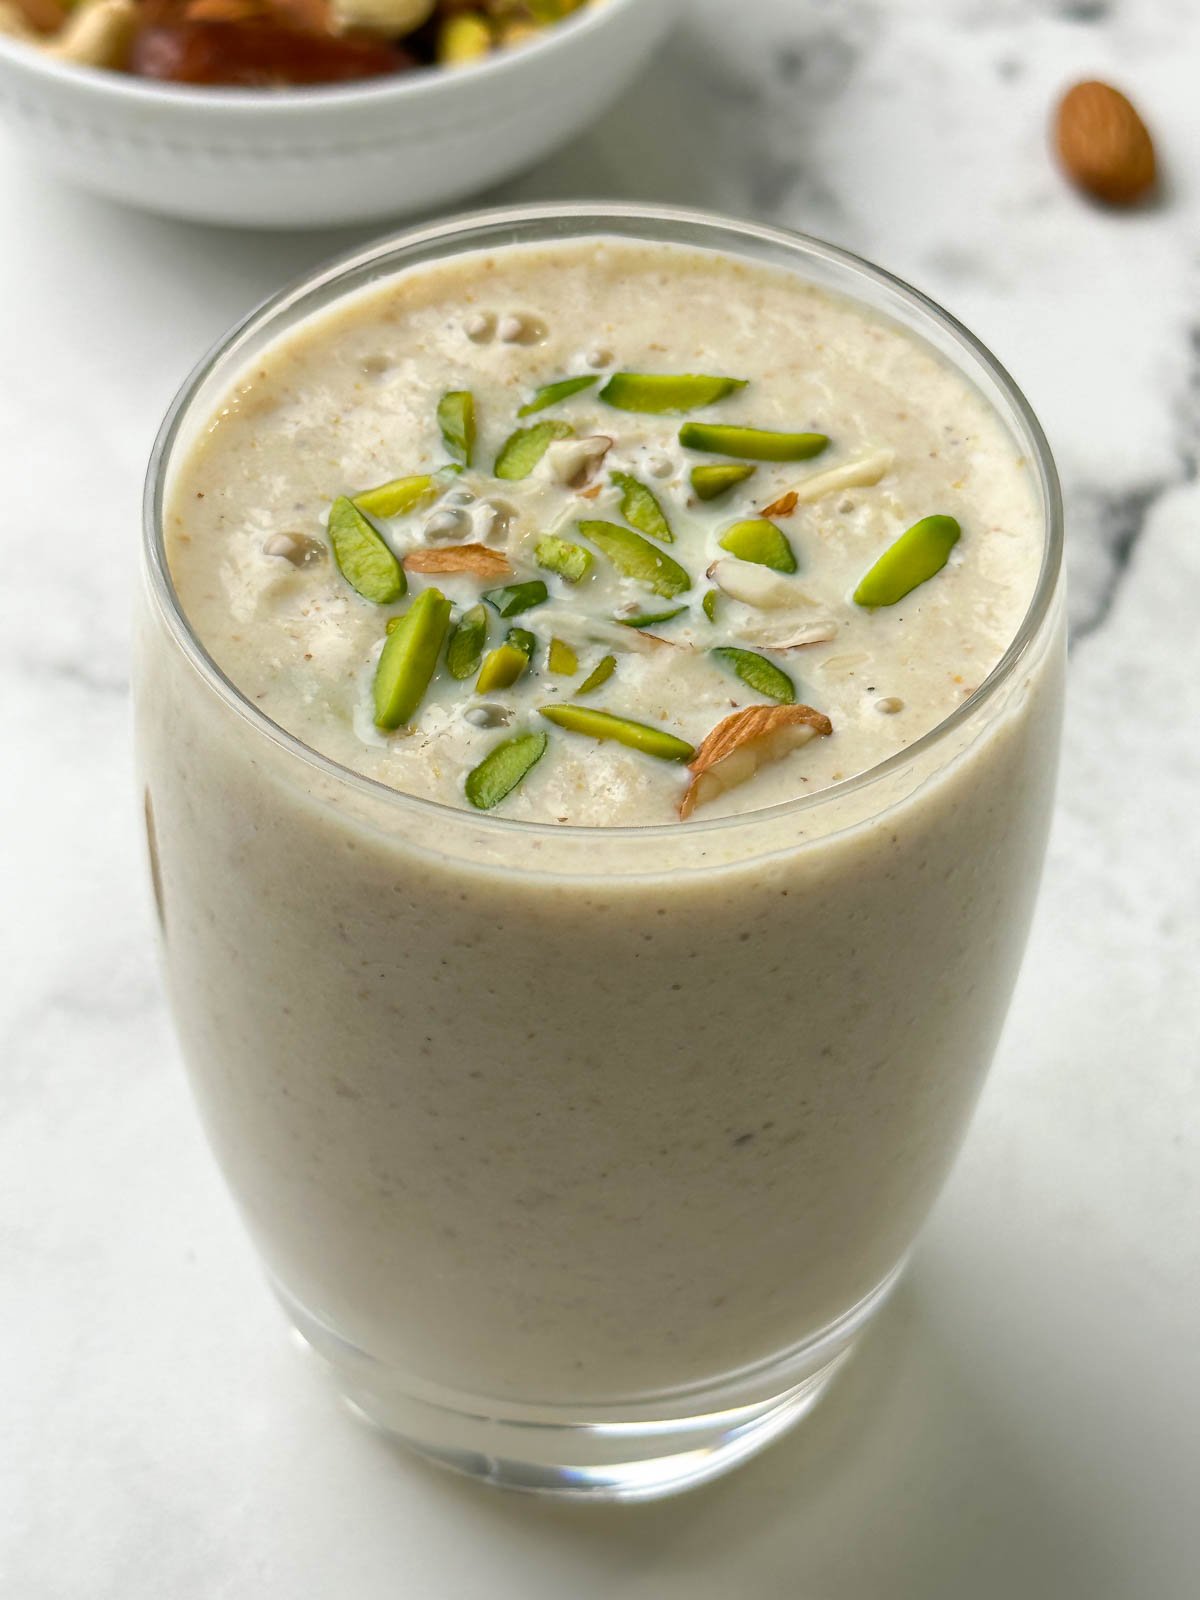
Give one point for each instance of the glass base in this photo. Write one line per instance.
(640, 1450)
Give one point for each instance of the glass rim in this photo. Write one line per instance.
(504, 219)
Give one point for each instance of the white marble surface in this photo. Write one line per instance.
(1025, 1418)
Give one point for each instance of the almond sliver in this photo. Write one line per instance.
(476, 559)
(736, 748)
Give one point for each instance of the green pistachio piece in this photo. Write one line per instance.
(409, 658)
(710, 605)
(502, 769)
(760, 541)
(604, 725)
(600, 673)
(522, 451)
(649, 618)
(514, 598)
(752, 444)
(521, 639)
(640, 508)
(554, 393)
(562, 659)
(637, 558)
(711, 482)
(570, 561)
(456, 419)
(914, 558)
(363, 559)
(394, 498)
(465, 650)
(501, 668)
(763, 676)
(656, 392)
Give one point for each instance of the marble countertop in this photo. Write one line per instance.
(1025, 1418)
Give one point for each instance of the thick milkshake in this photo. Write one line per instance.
(585, 949)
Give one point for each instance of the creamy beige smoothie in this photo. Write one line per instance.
(594, 1016)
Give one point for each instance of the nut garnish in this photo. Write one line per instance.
(552, 394)
(574, 462)
(364, 560)
(478, 559)
(653, 393)
(624, 730)
(783, 507)
(1104, 145)
(757, 586)
(860, 474)
(522, 451)
(913, 559)
(637, 558)
(760, 542)
(640, 508)
(736, 748)
(456, 419)
(409, 659)
(503, 768)
(752, 444)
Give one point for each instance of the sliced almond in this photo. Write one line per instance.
(792, 636)
(474, 558)
(757, 586)
(741, 744)
(860, 474)
(783, 507)
(575, 462)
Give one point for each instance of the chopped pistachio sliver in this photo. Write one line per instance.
(521, 639)
(641, 509)
(914, 558)
(600, 673)
(604, 725)
(503, 768)
(637, 558)
(465, 650)
(562, 659)
(522, 451)
(710, 482)
(570, 561)
(752, 444)
(654, 393)
(554, 393)
(410, 655)
(760, 541)
(761, 675)
(709, 604)
(363, 559)
(514, 598)
(456, 419)
(501, 668)
(394, 498)
(648, 619)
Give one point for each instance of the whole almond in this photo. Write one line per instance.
(1104, 145)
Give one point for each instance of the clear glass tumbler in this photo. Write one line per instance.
(625, 1240)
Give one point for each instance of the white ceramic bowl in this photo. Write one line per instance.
(313, 157)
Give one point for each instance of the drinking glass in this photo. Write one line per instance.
(579, 1155)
